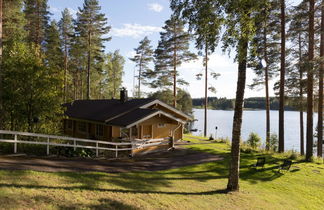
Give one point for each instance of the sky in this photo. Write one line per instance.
(132, 20)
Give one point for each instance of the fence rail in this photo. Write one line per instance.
(75, 142)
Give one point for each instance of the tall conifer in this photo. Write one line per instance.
(66, 32)
(172, 51)
(142, 58)
(92, 29)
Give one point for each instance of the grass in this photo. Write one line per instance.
(193, 187)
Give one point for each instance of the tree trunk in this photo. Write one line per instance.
(1, 70)
(88, 66)
(301, 98)
(320, 91)
(233, 179)
(206, 89)
(139, 79)
(310, 80)
(65, 69)
(175, 71)
(267, 89)
(115, 88)
(282, 79)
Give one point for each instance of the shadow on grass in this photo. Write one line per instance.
(39, 187)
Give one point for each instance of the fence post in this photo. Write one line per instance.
(15, 144)
(74, 143)
(97, 151)
(47, 152)
(116, 151)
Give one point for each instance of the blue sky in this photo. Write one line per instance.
(131, 20)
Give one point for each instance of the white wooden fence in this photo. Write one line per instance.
(58, 141)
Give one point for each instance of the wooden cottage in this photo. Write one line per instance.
(123, 120)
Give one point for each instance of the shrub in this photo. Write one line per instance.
(273, 144)
(254, 140)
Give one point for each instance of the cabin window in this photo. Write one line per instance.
(69, 124)
(161, 125)
(99, 130)
(82, 127)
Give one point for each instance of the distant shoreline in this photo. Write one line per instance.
(246, 109)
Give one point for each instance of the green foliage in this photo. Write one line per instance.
(54, 55)
(265, 44)
(184, 101)
(142, 58)
(70, 152)
(13, 21)
(37, 16)
(254, 140)
(66, 32)
(113, 73)
(30, 91)
(172, 51)
(273, 142)
(90, 28)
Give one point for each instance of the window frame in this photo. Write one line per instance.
(86, 127)
(97, 130)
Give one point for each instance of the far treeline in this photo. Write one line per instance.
(249, 103)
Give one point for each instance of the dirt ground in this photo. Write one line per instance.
(150, 162)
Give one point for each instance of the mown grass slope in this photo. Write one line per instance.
(193, 187)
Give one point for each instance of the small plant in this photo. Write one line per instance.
(211, 137)
(273, 144)
(254, 140)
(225, 140)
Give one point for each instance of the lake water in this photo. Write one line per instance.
(253, 121)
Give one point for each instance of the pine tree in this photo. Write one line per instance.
(264, 47)
(142, 58)
(310, 82)
(1, 70)
(172, 50)
(321, 91)
(282, 76)
(37, 16)
(91, 26)
(13, 21)
(295, 82)
(115, 71)
(52, 46)
(205, 23)
(66, 32)
(54, 54)
(77, 66)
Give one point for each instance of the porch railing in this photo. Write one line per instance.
(63, 141)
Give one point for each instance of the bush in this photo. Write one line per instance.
(254, 140)
(69, 152)
(273, 142)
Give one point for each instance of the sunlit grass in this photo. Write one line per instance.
(192, 187)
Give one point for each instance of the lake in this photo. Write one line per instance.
(253, 121)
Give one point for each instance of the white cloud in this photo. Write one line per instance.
(130, 54)
(155, 7)
(134, 30)
(72, 11)
(54, 10)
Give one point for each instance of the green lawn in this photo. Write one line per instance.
(194, 187)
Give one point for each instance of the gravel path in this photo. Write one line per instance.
(151, 162)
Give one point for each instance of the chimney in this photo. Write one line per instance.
(123, 95)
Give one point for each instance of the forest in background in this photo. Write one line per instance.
(249, 103)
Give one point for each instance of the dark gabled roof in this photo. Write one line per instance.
(102, 110)
(132, 117)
